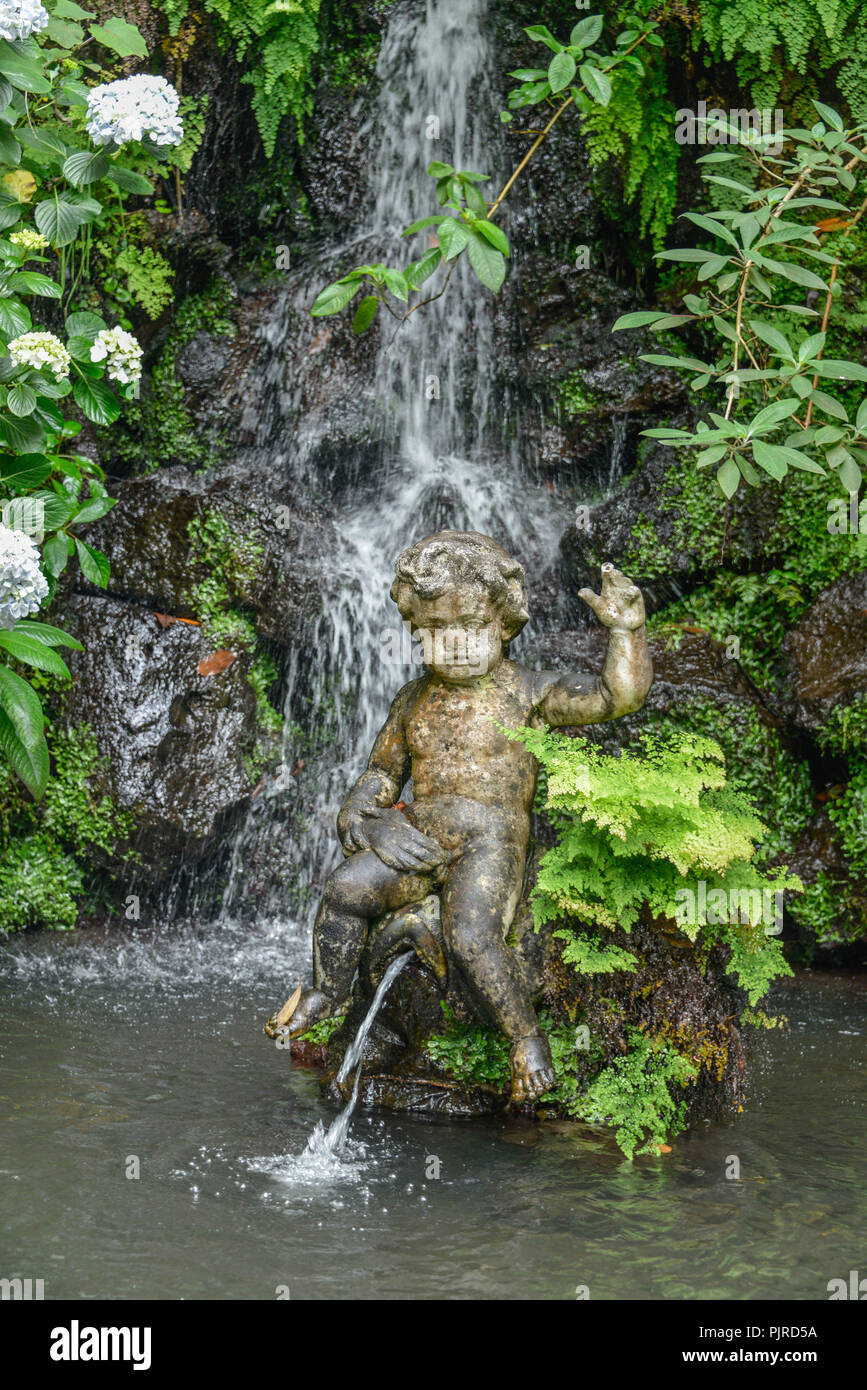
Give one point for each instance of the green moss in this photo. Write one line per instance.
(845, 729)
(45, 849)
(759, 607)
(572, 398)
(234, 561)
(160, 428)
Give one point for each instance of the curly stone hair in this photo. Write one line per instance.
(437, 563)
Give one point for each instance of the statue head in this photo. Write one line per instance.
(465, 596)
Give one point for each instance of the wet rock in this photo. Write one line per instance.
(279, 534)
(826, 653)
(647, 528)
(173, 741)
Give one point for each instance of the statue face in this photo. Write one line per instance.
(461, 634)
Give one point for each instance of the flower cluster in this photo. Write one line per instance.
(121, 354)
(132, 108)
(38, 350)
(21, 18)
(28, 240)
(23, 586)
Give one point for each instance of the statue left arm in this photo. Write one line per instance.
(628, 672)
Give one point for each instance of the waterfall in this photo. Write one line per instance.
(448, 449)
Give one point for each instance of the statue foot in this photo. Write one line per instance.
(310, 1008)
(531, 1067)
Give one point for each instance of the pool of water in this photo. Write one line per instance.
(149, 1047)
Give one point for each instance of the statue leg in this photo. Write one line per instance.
(361, 888)
(479, 899)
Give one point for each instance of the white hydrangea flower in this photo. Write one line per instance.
(21, 18)
(40, 349)
(121, 354)
(27, 238)
(23, 586)
(134, 107)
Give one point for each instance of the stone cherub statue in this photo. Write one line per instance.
(466, 832)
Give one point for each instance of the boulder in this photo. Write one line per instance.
(826, 653)
(281, 535)
(173, 739)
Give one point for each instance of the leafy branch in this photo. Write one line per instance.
(761, 427)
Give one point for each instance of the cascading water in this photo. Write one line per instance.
(446, 455)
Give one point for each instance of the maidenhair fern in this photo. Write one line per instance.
(765, 38)
(276, 41)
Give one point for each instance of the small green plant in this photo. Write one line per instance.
(637, 1094)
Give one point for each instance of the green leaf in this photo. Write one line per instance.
(597, 83)
(334, 298)
(85, 166)
(797, 273)
(829, 115)
(93, 509)
(365, 313)
(488, 263)
(44, 632)
(396, 283)
(21, 704)
(639, 319)
(22, 436)
(771, 458)
(63, 33)
(11, 210)
(31, 764)
(67, 9)
(709, 224)
(729, 477)
(453, 236)
(60, 218)
(94, 565)
(31, 282)
(850, 474)
(829, 404)
(128, 180)
(122, 38)
(773, 414)
(837, 369)
(861, 417)
(33, 653)
(424, 222)
(85, 325)
(14, 318)
(438, 170)
(561, 70)
(21, 399)
(659, 359)
(810, 346)
(97, 400)
(10, 150)
(772, 337)
(539, 33)
(423, 269)
(23, 472)
(57, 508)
(21, 71)
(45, 142)
(494, 234)
(587, 31)
(55, 555)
